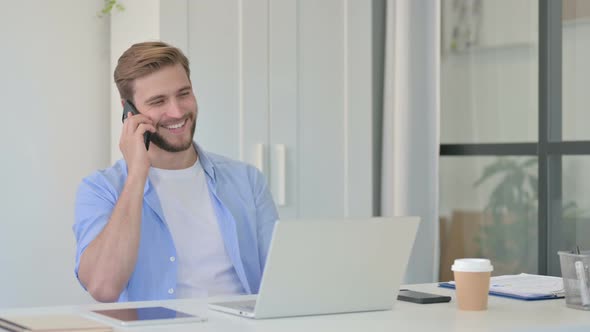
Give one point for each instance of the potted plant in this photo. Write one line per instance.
(509, 228)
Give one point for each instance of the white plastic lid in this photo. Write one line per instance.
(472, 265)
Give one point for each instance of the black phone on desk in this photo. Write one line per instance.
(128, 107)
(421, 297)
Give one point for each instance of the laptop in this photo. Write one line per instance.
(326, 266)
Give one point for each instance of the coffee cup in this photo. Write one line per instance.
(472, 282)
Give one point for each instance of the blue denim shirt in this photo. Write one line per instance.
(243, 205)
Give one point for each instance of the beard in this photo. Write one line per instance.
(163, 144)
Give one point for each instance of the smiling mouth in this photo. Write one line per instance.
(176, 125)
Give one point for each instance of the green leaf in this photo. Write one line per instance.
(108, 6)
(499, 166)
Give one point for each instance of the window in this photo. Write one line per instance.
(515, 126)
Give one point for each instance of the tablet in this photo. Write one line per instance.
(146, 316)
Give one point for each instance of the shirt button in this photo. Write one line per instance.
(171, 291)
(172, 258)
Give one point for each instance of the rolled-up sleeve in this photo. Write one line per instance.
(93, 208)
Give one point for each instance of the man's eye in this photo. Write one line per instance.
(157, 102)
(186, 93)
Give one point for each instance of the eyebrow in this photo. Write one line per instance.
(153, 98)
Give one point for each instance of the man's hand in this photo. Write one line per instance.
(132, 144)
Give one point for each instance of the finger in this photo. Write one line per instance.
(143, 127)
(136, 120)
(127, 116)
(151, 128)
(126, 123)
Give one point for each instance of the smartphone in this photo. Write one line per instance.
(128, 107)
(421, 297)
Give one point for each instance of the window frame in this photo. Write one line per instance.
(550, 148)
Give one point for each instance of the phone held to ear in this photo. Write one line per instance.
(421, 297)
(128, 107)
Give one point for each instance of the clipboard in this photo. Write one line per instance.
(525, 287)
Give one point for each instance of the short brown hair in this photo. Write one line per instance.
(143, 59)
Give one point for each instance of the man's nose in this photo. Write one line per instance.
(174, 109)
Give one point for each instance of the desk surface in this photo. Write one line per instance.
(502, 315)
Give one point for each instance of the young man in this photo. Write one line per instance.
(172, 221)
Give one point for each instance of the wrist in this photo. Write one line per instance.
(137, 175)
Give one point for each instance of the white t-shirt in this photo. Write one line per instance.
(204, 267)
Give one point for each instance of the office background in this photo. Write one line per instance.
(62, 117)
(326, 86)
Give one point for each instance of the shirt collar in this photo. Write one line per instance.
(206, 163)
(208, 166)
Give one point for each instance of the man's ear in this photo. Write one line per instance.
(123, 102)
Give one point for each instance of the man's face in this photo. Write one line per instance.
(167, 98)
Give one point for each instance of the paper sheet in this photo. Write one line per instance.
(527, 285)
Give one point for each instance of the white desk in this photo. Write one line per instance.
(502, 315)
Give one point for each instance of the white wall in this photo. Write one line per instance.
(54, 89)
